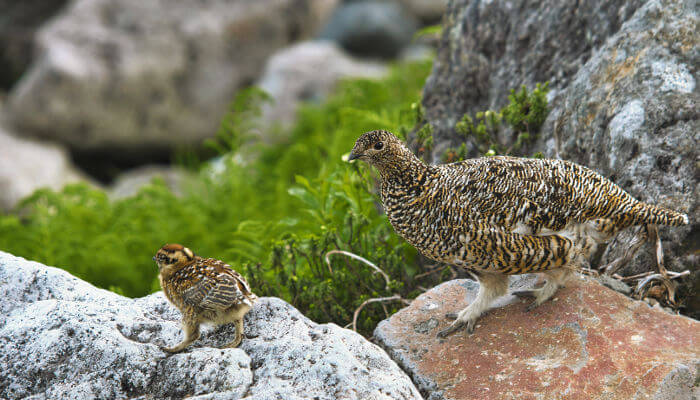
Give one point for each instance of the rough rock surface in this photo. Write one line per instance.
(490, 47)
(623, 95)
(632, 112)
(589, 342)
(60, 337)
(148, 76)
(308, 72)
(27, 165)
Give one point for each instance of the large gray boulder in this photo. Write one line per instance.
(150, 75)
(490, 47)
(27, 165)
(427, 11)
(130, 182)
(623, 95)
(61, 337)
(308, 72)
(378, 29)
(19, 21)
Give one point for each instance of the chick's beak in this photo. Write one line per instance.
(154, 258)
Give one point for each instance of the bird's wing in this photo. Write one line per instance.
(491, 248)
(218, 289)
(242, 284)
(508, 191)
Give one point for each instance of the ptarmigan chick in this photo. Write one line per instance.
(205, 290)
(498, 216)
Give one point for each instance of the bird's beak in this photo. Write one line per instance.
(154, 258)
(353, 156)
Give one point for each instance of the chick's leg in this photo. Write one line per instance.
(239, 334)
(191, 328)
(491, 286)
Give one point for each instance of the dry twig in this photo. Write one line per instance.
(432, 271)
(395, 297)
(358, 258)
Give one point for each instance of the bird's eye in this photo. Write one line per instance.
(378, 145)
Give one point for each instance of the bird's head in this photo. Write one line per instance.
(384, 151)
(377, 147)
(173, 256)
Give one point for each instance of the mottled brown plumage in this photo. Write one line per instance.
(497, 216)
(205, 290)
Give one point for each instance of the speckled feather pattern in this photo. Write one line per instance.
(209, 284)
(503, 214)
(203, 288)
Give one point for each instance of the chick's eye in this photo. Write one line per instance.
(378, 145)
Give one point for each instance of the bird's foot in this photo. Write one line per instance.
(171, 350)
(532, 306)
(529, 293)
(525, 293)
(457, 324)
(237, 341)
(181, 346)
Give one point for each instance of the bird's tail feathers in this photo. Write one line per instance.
(651, 214)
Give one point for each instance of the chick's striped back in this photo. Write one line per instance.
(209, 284)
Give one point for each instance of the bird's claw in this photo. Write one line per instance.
(452, 316)
(175, 349)
(524, 293)
(528, 293)
(455, 326)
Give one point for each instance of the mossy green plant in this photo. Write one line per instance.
(524, 114)
(527, 110)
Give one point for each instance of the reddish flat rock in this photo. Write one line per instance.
(588, 342)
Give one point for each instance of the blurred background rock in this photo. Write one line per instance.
(108, 86)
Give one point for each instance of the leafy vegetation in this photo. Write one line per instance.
(272, 211)
(524, 115)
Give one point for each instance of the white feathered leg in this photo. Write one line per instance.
(555, 279)
(491, 286)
